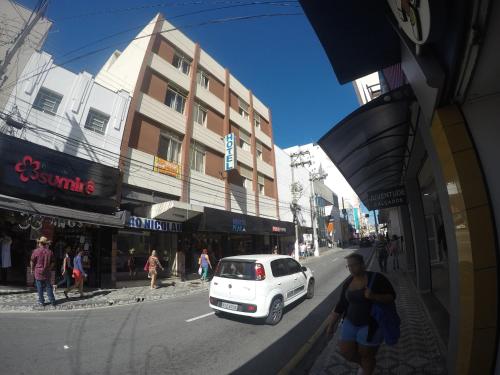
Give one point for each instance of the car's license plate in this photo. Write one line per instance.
(229, 306)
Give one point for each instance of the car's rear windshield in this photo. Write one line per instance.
(236, 269)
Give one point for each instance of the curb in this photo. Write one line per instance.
(138, 298)
(304, 350)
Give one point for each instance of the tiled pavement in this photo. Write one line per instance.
(418, 351)
(22, 300)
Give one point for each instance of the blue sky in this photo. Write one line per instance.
(278, 58)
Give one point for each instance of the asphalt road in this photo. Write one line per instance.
(161, 338)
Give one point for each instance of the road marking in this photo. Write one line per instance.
(334, 259)
(199, 317)
(66, 347)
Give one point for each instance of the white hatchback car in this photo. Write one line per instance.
(259, 286)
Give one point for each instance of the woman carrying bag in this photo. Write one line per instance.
(152, 264)
(204, 262)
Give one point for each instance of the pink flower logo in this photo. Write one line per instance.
(28, 169)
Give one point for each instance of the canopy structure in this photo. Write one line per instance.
(175, 210)
(370, 147)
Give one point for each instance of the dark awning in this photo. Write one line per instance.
(370, 146)
(355, 34)
(21, 205)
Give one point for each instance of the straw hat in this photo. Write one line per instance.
(44, 240)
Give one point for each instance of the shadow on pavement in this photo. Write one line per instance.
(276, 356)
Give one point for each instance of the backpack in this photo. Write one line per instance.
(387, 318)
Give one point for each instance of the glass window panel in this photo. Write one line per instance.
(96, 121)
(47, 101)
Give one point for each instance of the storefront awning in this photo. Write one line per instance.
(21, 205)
(175, 211)
(370, 146)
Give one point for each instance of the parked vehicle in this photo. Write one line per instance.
(259, 286)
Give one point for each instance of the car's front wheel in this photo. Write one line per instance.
(275, 311)
(310, 289)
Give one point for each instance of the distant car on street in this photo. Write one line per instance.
(259, 286)
(365, 242)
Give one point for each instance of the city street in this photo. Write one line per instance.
(178, 336)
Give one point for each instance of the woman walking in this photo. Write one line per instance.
(382, 254)
(78, 274)
(204, 262)
(394, 252)
(153, 264)
(66, 270)
(361, 336)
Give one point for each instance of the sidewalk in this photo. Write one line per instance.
(419, 350)
(14, 299)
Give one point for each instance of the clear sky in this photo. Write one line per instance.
(279, 58)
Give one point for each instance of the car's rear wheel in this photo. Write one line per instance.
(310, 289)
(275, 311)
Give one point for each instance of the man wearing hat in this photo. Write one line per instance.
(42, 262)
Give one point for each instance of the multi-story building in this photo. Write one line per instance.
(173, 151)
(60, 138)
(19, 39)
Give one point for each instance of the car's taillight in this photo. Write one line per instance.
(260, 273)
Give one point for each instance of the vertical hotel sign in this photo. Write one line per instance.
(230, 154)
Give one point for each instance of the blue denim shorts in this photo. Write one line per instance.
(350, 332)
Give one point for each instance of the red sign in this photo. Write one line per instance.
(30, 169)
(279, 229)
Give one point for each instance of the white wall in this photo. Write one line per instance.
(13, 18)
(284, 181)
(65, 130)
(335, 181)
(361, 87)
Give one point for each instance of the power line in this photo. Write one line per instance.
(177, 4)
(205, 23)
(195, 187)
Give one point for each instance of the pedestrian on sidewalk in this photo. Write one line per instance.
(66, 270)
(42, 262)
(361, 336)
(131, 264)
(204, 262)
(78, 274)
(382, 252)
(153, 264)
(394, 252)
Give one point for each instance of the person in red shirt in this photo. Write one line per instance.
(42, 263)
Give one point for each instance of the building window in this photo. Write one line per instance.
(244, 109)
(175, 100)
(261, 185)
(200, 115)
(256, 120)
(170, 148)
(259, 150)
(181, 63)
(244, 140)
(197, 158)
(247, 183)
(202, 79)
(47, 101)
(96, 121)
(247, 176)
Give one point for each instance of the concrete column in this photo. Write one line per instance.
(422, 260)
(254, 157)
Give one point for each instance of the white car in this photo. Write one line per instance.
(259, 286)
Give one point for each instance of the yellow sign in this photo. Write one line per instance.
(167, 167)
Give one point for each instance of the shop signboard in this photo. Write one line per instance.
(392, 197)
(276, 229)
(239, 225)
(153, 224)
(166, 167)
(32, 172)
(230, 152)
